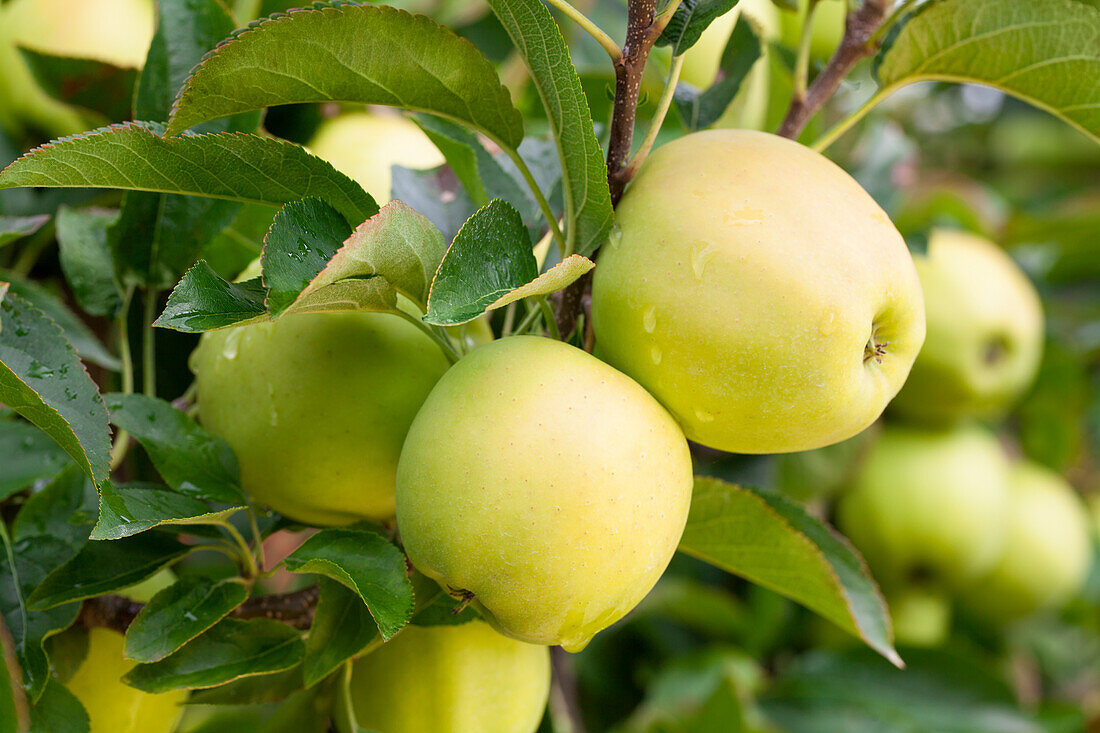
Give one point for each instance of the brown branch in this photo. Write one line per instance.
(295, 609)
(642, 32)
(859, 29)
(565, 700)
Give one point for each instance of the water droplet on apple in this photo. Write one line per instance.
(615, 236)
(649, 319)
(655, 354)
(701, 255)
(232, 344)
(703, 415)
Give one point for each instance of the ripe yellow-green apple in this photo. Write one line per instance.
(921, 616)
(826, 30)
(929, 507)
(449, 679)
(113, 706)
(545, 485)
(316, 407)
(758, 292)
(1047, 552)
(985, 331)
(115, 31)
(365, 145)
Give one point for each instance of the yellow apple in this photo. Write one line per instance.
(1048, 550)
(985, 331)
(546, 485)
(115, 31)
(826, 30)
(921, 616)
(758, 292)
(929, 508)
(449, 679)
(316, 407)
(112, 706)
(365, 145)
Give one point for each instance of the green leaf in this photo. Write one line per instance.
(64, 510)
(303, 238)
(74, 330)
(191, 460)
(13, 228)
(58, 711)
(22, 568)
(86, 258)
(356, 53)
(42, 379)
(482, 175)
(445, 610)
(939, 690)
(159, 236)
(103, 567)
(1045, 52)
(397, 244)
(230, 650)
(432, 194)
(342, 626)
(261, 688)
(178, 614)
(690, 20)
(770, 540)
(489, 265)
(29, 455)
(701, 109)
(368, 564)
(202, 301)
(233, 166)
(99, 87)
(129, 509)
(588, 213)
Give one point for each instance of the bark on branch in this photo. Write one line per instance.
(295, 609)
(642, 32)
(859, 28)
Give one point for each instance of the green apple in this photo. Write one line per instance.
(921, 616)
(1048, 550)
(365, 145)
(929, 507)
(115, 31)
(826, 31)
(544, 485)
(316, 407)
(112, 706)
(985, 331)
(449, 679)
(758, 292)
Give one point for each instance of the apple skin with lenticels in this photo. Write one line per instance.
(767, 317)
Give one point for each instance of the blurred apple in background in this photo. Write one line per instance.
(365, 145)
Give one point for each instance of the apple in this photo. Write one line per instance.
(985, 332)
(448, 679)
(546, 487)
(921, 616)
(113, 706)
(758, 292)
(365, 145)
(115, 31)
(929, 508)
(1048, 550)
(316, 407)
(826, 30)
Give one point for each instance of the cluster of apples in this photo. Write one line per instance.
(937, 507)
(545, 485)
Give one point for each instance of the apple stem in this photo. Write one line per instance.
(860, 40)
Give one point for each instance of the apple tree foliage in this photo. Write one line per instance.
(107, 479)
